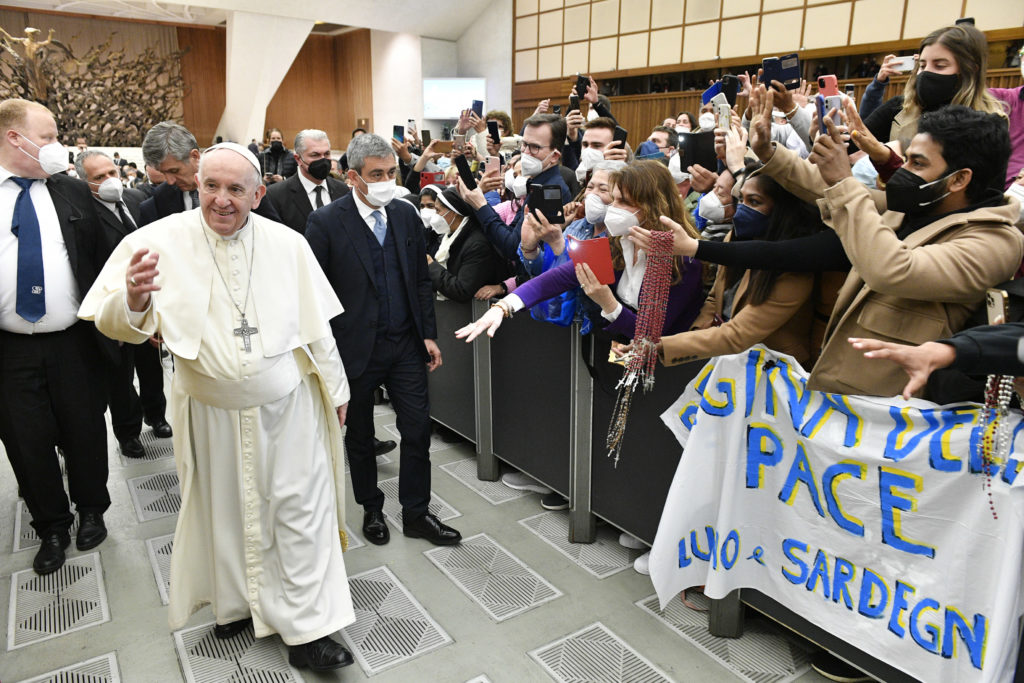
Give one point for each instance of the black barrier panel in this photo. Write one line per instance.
(531, 382)
(452, 401)
(632, 495)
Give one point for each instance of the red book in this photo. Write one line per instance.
(597, 254)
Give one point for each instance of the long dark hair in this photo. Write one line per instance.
(790, 218)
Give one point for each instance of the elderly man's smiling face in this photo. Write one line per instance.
(229, 189)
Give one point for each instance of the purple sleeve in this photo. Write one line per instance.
(684, 303)
(548, 284)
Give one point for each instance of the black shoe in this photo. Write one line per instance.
(375, 529)
(322, 654)
(835, 669)
(91, 530)
(161, 429)
(50, 557)
(225, 631)
(430, 527)
(132, 448)
(382, 447)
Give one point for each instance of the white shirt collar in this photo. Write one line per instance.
(365, 210)
(310, 187)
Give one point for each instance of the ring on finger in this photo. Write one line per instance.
(132, 280)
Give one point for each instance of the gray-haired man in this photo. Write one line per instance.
(171, 149)
(312, 187)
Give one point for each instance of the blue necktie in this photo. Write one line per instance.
(31, 301)
(380, 227)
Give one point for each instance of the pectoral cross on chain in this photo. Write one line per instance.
(245, 332)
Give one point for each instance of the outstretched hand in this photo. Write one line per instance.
(683, 244)
(919, 362)
(489, 322)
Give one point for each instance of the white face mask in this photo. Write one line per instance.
(52, 157)
(711, 209)
(110, 190)
(426, 214)
(510, 178)
(519, 186)
(588, 158)
(682, 129)
(707, 121)
(595, 209)
(380, 193)
(532, 166)
(439, 225)
(619, 221)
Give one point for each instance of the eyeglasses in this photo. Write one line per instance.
(533, 148)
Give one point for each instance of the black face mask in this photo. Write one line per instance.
(276, 146)
(320, 169)
(936, 90)
(909, 193)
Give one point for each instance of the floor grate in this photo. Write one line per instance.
(494, 492)
(155, 495)
(436, 444)
(594, 653)
(602, 558)
(205, 658)
(160, 560)
(354, 541)
(391, 626)
(156, 449)
(495, 579)
(393, 509)
(45, 607)
(102, 669)
(764, 654)
(25, 536)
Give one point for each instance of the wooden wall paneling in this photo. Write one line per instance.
(303, 100)
(204, 70)
(353, 83)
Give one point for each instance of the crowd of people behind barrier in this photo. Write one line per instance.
(859, 240)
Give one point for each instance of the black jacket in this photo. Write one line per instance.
(472, 263)
(291, 202)
(282, 164)
(337, 235)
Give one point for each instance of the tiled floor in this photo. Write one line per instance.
(514, 603)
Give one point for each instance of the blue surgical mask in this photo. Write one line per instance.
(750, 224)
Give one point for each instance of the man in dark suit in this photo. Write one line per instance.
(373, 253)
(171, 149)
(311, 188)
(51, 384)
(118, 212)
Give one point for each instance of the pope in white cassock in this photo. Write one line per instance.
(258, 402)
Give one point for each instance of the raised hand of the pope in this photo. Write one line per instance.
(142, 271)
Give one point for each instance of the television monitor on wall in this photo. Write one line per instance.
(445, 98)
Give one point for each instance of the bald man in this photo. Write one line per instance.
(258, 402)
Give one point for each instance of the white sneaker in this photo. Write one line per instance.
(642, 564)
(631, 542)
(520, 481)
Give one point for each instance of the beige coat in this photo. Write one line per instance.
(908, 291)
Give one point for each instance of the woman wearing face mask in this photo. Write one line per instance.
(641, 192)
(748, 307)
(428, 209)
(464, 261)
(686, 122)
(514, 192)
(950, 69)
(553, 252)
